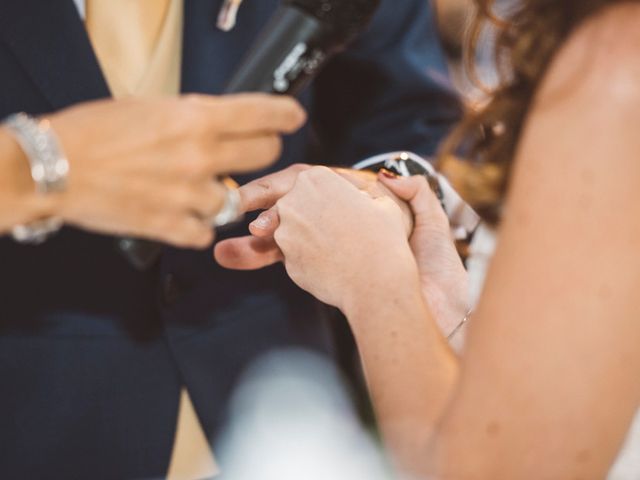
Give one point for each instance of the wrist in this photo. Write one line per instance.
(447, 307)
(33, 221)
(397, 286)
(393, 316)
(18, 183)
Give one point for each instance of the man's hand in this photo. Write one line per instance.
(259, 250)
(149, 167)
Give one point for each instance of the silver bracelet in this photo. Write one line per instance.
(49, 169)
(461, 325)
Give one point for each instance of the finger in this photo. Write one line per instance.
(254, 112)
(244, 154)
(205, 200)
(247, 253)
(362, 179)
(265, 192)
(414, 190)
(183, 231)
(266, 224)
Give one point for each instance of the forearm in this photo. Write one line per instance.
(19, 202)
(410, 370)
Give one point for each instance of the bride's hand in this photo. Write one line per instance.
(443, 277)
(259, 250)
(341, 244)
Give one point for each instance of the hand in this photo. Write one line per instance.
(147, 168)
(260, 249)
(443, 277)
(339, 243)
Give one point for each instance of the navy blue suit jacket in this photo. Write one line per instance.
(93, 353)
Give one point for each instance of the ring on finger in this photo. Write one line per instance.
(231, 211)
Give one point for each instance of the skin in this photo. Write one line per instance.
(548, 384)
(147, 167)
(260, 250)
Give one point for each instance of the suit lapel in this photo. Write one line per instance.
(200, 40)
(50, 41)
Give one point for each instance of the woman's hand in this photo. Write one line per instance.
(443, 277)
(340, 244)
(148, 168)
(259, 250)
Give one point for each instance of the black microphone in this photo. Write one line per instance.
(297, 42)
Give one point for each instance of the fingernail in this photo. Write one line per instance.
(389, 174)
(263, 222)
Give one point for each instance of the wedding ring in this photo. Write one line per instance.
(231, 210)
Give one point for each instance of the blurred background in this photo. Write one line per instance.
(454, 18)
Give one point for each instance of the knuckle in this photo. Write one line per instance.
(194, 233)
(181, 197)
(305, 175)
(299, 167)
(203, 238)
(320, 174)
(265, 185)
(287, 208)
(282, 206)
(176, 123)
(308, 176)
(195, 162)
(161, 224)
(320, 171)
(189, 115)
(179, 237)
(279, 237)
(261, 188)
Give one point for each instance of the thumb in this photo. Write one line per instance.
(414, 190)
(247, 253)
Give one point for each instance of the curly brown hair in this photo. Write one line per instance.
(526, 42)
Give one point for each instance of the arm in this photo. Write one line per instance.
(390, 91)
(147, 167)
(549, 380)
(563, 287)
(409, 367)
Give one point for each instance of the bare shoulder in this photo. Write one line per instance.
(586, 114)
(600, 60)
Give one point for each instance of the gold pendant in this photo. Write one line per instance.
(229, 15)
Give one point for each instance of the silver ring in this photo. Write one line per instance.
(231, 210)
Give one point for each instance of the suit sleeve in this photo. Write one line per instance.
(389, 91)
